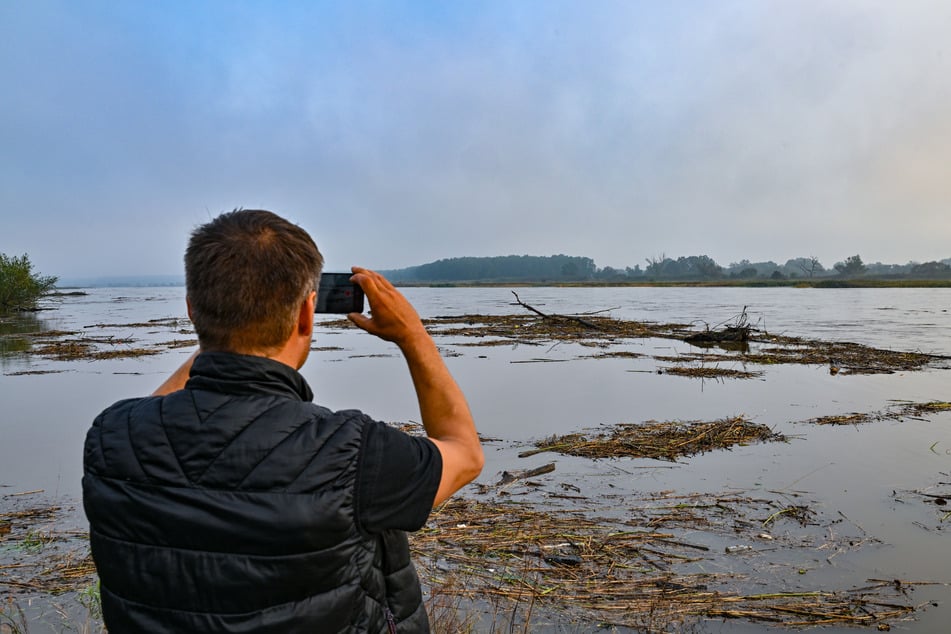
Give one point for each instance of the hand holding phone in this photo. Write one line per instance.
(337, 294)
(392, 317)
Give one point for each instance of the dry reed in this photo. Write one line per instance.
(659, 440)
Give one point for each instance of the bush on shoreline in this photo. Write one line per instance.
(20, 286)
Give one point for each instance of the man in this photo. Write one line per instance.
(229, 502)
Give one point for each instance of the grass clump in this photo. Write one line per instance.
(659, 440)
(712, 372)
(897, 412)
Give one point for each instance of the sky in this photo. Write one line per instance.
(398, 133)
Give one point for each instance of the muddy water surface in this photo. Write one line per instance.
(870, 477)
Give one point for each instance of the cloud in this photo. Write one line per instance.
(399, 133)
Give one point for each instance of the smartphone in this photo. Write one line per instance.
(337, 294)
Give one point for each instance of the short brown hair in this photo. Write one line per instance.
(246, 274)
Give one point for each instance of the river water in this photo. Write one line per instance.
(519, 393)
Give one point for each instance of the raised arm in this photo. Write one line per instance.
(442, 405)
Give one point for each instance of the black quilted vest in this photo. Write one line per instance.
(229, 507)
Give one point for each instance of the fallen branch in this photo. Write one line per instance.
(583, 322)
(509, 477)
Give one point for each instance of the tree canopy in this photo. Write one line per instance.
(853, 265)
(20, 286)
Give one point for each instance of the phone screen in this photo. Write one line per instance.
(337, 294)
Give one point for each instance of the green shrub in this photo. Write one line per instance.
(20, 287)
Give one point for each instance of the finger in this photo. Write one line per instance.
(383, 282)
(379, 279)
(359, 273)
(365, 281)
(359, 270)
(360, 320)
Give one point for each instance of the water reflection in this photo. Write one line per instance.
(730, 346)
(15, 331)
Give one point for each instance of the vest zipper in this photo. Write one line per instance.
(390, 620)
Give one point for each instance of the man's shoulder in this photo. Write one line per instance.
(341, 414)
(123, 408)
(117, 416)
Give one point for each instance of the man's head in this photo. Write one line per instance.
(246, 274)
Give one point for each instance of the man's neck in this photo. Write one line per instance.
(292, 353)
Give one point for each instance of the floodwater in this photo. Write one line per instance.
(521, 393)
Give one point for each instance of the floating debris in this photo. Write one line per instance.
(73, 346)
(179, 343)
(714, 372)
(528, 328)
(65, 350)
(616, 354)
(802, 514)
(938, 495)
(842, 357)
(759, 348)
(168, 322)
(599, 571)
(920, 409)
(738, 332)
(659, 440)
(73, 349)
(896, 413)
(40, 557)
(638, 570)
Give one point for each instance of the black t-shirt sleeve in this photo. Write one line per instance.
(397, 479)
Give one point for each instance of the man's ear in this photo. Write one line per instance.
(188, 305)
(305, 320)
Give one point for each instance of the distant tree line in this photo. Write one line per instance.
(565, 268)
(508, 268)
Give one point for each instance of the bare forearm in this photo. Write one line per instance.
(445, 415)
(442, 405)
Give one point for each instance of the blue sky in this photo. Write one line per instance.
(398, 133)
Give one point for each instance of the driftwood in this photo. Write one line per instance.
(583, 322)
(509, 477)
